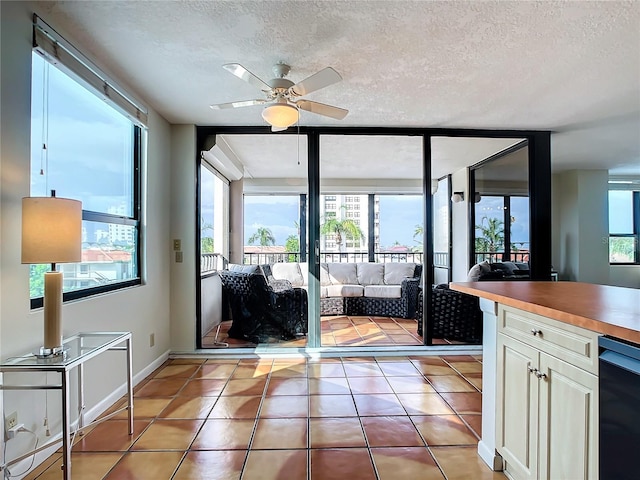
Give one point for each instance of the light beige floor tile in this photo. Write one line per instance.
(211, 465)
(406, 463)
(143, 465)
(276, 465)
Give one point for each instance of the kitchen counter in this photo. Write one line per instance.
(603, 309)
(608, 310)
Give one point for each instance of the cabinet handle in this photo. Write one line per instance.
(535, 332)
(541, 375)
(533, 370)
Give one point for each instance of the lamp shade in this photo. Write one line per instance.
(51, 230)
(280, 115)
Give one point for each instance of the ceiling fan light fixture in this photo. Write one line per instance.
(281, 115)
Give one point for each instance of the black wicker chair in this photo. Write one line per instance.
(263, 310)
(455, 315)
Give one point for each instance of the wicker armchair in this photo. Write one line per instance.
(454, 315)
(263, 310)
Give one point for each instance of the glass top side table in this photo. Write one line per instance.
(77, 350)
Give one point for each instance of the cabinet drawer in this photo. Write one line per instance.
(572, 344)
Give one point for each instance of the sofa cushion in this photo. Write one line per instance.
(234, 267)
(478, 270)
(304, 271)
(383, 291)
(342, 273)
(324, 275)
(370, 273)
(345, 290)
(395, 273)
(288, 271)
(506, 268)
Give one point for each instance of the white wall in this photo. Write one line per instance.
(581, 226)
(625, 276)
(236, 221)
(183, 221)
(460, 227)
(142, 310)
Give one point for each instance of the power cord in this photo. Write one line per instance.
(7, 473)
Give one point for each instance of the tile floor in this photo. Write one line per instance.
(343, 330)
(336, 418)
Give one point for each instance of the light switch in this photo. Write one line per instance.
(178, 257)
(177, 244)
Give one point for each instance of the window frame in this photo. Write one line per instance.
(55, 49)
(635, 212)
(506, 253)
(91, 216)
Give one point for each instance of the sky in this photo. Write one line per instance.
(89, 144)
(399, 215)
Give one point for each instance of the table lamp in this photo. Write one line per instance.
(51, 233)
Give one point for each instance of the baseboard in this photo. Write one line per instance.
(490, 457)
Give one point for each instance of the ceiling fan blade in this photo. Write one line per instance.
(322, 109)
(321, 79)
(244, 103)
(244, 74)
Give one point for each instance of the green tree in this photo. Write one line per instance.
(417, 234)
(492, 235)
(417, 237)
(263, 236)
(621, 249)
(342, 229)
(36, 279)
(292, 244)
(206, 243)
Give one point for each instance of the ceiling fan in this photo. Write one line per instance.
(282, 95)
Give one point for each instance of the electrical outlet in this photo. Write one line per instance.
(177, 244)
(11, 421)
(152, 339)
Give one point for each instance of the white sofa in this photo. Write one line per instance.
(380, 289)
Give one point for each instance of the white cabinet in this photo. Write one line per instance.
(547, 392)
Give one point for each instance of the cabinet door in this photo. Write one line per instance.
(568, 421)
(517, 405)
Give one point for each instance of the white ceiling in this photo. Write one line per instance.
(570, 67)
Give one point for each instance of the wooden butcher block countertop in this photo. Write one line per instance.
(604, 309)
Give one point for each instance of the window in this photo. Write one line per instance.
(624, 227)
(330, 206)
(93, 155)
(401, 218)
(271, 227)
(492, 240)
(214, 219)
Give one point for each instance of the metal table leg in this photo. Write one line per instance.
(66, 428)
(129, 385)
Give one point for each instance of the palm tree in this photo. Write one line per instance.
(263, 236)
(417, 235)
(492, 239)
(341, 228)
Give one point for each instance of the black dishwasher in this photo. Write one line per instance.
(619, 409)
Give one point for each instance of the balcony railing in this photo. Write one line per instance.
(494, 257)
(210, 262)
(380, 257)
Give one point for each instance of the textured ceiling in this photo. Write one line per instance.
(569, 67)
